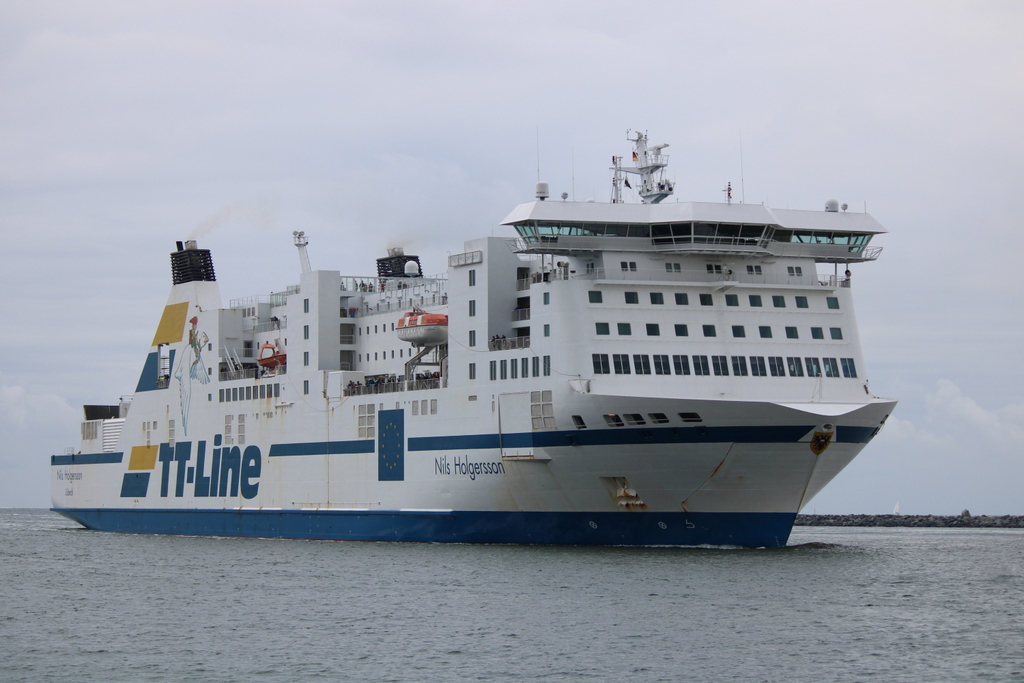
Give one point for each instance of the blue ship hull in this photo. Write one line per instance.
(542, 528)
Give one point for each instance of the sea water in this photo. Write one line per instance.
(839, 604)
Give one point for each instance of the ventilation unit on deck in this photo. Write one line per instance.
(393, 265)
(190, 264)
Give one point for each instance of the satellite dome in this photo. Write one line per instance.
(832, 205)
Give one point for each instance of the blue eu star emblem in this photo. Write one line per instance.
(391, 445)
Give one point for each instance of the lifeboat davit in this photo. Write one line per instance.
(271, 357)
(423, 329)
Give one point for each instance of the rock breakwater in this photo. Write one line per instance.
(949, 521)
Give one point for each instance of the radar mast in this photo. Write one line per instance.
(649, 164)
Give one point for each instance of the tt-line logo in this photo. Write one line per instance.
(228, 471)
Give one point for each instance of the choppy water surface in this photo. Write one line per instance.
(842, 605)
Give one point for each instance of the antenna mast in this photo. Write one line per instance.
(650, 165)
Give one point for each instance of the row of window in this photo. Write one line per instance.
(776, 366)
(250, 392)
(636, 419)
(513, 368)
(707, 299)
(738, 331)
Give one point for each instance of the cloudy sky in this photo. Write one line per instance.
(127, 126)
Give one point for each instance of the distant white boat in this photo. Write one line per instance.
(896, 510)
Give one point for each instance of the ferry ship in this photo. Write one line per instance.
(621, 373)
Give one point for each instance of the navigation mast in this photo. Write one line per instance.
(649, 164)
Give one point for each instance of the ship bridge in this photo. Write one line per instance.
(753, 230)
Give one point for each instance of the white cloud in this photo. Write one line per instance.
(950, 407)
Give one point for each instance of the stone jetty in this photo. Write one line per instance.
(949, 521)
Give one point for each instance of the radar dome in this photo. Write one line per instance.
(412, 269)
(832, 205)
(542, 191)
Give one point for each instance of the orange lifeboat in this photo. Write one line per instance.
(423, 329)
(271, 357)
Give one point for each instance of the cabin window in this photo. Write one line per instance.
(849, 369)
(700, 365)
(494, 369)
(776, 366)
(642, 363)
(682, 299)
(472, 307)
(817, 333)
(614, 420)
(738, 331)
(791, 333)
(831, 367)
(681, 364)
(632, 298)
(778, 301)
(732, 300)
(765, 331)
(757, 367)
(624, 328)
(795, 271)
(657, 298)
(755, 300)
(795, 368)
(577, 420)
(472, 370)
(305, 331)
(739, 366)
(709, 331)
(602, 328)
(661, 366)
(472, 337)
(601, 366)
(621, 363)
(836, 332)
(801, 301)
(595, 297)
(547, 330)
(719, 364)
(653, 330)
(832, 302)
(547, 298)
(547, 366)
(305, 305)
(813, 367)
(472, 278)
(706, 300)
(682, 331)
(753, 270)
